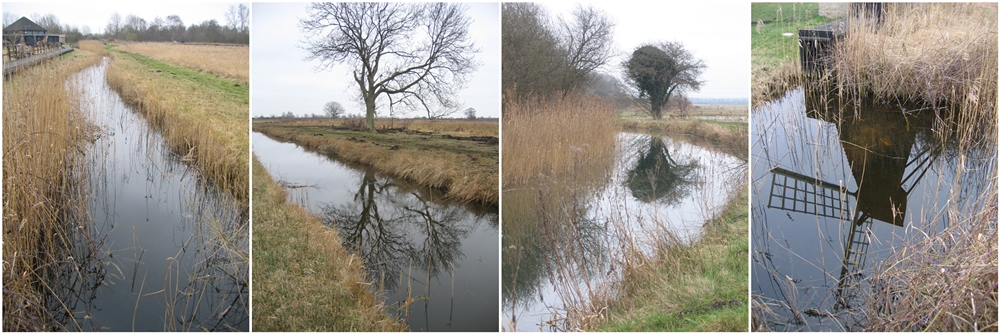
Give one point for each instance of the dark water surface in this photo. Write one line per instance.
(162, 249)
(441, 253)
(565, 239)
(834, 194)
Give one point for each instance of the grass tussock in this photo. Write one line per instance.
(303, 278)
(465, 169)
(547, 136)
(42, 138)
(230, 61)
(204, 122)
(688, 288)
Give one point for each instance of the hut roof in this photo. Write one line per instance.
(22, 24)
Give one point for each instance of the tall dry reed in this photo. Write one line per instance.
(546, 136)
(940, 54)
(42, 139)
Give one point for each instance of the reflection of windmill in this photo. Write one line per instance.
(881, 196)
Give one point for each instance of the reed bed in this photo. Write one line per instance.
(304, 280)
(947, 282)
(465, 177)
(230, 61)
(42, 140)
(202, 125)
(943, 55)
(546, 136)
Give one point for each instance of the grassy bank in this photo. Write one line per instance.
(701, 287)
(775, 66)
(726, 137)
(43, 133)
(303, 280)
(202, 117)
(464, 165)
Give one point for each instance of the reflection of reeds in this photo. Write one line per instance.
(41, 141)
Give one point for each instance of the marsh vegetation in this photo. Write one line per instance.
(874, 183)
(131, 212)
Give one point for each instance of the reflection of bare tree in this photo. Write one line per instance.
(411, 230)
(657, 177)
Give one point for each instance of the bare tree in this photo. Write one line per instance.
(114, 26)
(48, 21)
(333, 109)
(588, 40)
(238, 17)
(405, 55)
(540, 58)
(9, 18)
(470, 113)
(176, 27)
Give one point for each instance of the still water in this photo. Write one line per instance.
(833, 194)
(442, 253)
(159, 249)
(565, 239)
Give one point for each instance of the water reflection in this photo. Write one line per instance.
(414, 231)
(566, 238)
(656, 177)
(837, 185)
(158, 248)
(434, 260)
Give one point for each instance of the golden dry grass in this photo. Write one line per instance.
(942, 54)
(547, 136)
(197, 120)
(230, 61)
(467, 177)
(453, 127)
(42, 137)
(303, 279)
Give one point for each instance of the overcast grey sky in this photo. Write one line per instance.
(96, 14)
(282, 80)
(714, 31)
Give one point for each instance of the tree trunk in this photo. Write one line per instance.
(370, 114)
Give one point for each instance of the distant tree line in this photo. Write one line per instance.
(160, 29)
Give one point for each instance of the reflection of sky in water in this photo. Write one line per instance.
(401, 229)
(798, 258)
(616, 215)
(157, 222)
